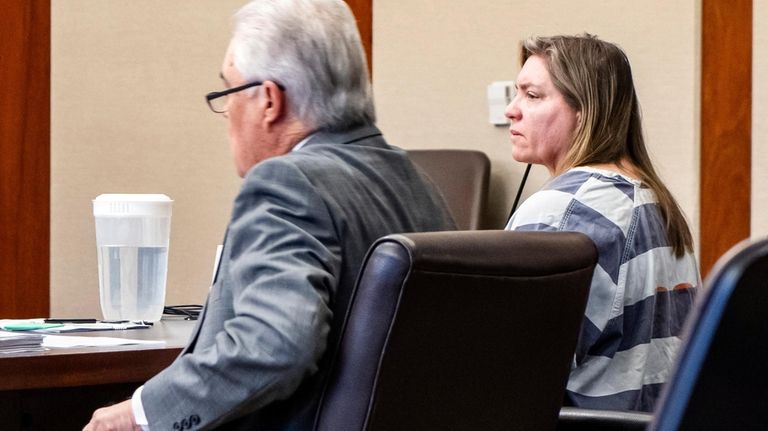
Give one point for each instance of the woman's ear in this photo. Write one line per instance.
(578, 124)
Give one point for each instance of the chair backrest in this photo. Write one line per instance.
(462, 177)
(466, 330)
(720, 380)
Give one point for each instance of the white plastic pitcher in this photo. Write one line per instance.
(132, 237)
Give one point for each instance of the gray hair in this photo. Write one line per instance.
(313, 49)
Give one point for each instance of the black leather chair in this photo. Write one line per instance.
(721, 377)
(462, 177)
(470, 330)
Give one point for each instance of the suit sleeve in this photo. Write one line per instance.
(283, 260)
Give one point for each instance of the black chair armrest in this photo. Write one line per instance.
(578, 419)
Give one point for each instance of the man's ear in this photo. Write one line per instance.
(274, 102)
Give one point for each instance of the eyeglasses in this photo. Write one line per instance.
(217, 100)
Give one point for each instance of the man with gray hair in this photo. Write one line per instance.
(320, 186)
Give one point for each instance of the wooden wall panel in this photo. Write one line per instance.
(24, 157)
(363, 10)
(726, 127)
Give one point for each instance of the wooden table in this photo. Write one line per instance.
(58, 389)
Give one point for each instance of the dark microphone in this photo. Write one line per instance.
(519, 193)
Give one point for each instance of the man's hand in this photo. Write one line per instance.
(118, 417)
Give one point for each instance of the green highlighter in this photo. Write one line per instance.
(29, 326)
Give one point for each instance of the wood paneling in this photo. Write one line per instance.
(726, 126)
(24, 157)
(363, 10)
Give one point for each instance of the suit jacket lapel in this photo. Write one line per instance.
(196, 332)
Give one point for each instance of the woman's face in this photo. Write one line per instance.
(543, 123)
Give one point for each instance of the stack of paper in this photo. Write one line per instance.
(12, 342)
(68, 341)
(85, 327)
(40, 325)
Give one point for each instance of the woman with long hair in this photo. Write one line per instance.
(576, 112)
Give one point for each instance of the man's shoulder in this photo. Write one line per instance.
(308, 160)
(274, 167)
(324, 155)
(330, 161)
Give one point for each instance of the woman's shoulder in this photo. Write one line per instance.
(587, 182)
(580, 193)
(570, 181)
(543, 210)
(548, 206)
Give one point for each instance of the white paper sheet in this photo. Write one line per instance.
(68, 341)
(87, 327)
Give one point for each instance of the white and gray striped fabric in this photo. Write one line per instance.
(640, 292)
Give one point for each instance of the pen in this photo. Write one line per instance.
(70, 320)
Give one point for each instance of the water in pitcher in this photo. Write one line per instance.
(132, 282)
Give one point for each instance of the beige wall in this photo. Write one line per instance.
(433, 60)
(128, 114)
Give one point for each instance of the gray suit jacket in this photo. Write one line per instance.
(300, 228)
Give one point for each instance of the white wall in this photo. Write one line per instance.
(128, 115)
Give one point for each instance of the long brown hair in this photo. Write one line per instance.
(595, 79)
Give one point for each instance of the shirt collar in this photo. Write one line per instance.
(302, 142)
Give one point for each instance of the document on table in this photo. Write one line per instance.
(16, 343)
(68, 341)
(100, 326)
(39, 325)
(34, 335)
